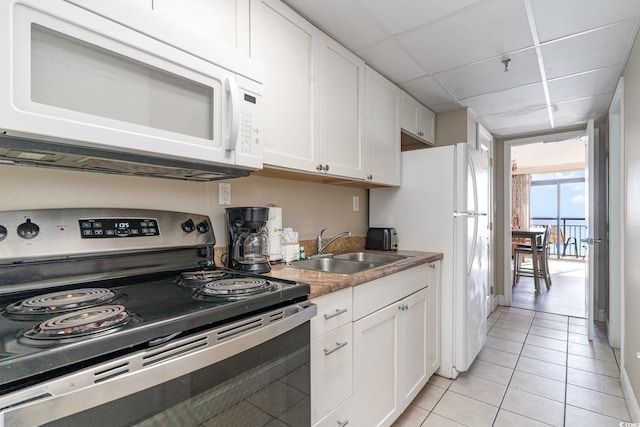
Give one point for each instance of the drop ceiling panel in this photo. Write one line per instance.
(489, 76)
(516, 99)
(343, 20)
(401, 15)
(588, 51)
(388, 59)
(559, 18)
(482, 32)
(428, 90)
(518, 119)
(582, 85)
(582, 107)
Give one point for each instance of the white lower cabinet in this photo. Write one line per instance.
(396, 326)
(367, 372)
(390, 357)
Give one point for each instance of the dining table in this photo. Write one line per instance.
(532, 235)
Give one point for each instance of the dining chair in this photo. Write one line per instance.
(542, 260)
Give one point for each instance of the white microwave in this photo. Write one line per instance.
(108, 85)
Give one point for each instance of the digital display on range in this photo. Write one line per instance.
(249, 98)
(94, 228)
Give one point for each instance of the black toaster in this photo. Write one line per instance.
(381, 239)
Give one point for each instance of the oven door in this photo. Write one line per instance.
(249, 372)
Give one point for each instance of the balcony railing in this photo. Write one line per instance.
(570, 240)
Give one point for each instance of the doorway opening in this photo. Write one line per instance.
(547, 189)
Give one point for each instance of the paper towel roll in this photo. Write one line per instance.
(274, 232)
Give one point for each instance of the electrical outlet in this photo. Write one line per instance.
(224, 193)
(356, 203)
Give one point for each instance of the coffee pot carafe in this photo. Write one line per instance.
(248, 248)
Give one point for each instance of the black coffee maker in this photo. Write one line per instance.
(248, 248)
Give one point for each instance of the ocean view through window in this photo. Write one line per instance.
(557, 200)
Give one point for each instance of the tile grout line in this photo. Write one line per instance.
(495, 419)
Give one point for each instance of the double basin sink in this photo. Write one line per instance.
(348, 263)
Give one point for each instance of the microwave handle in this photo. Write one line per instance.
(231, 87)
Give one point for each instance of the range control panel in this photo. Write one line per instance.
(34, 235)
(118, 227)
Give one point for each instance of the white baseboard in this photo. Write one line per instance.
(632, 402)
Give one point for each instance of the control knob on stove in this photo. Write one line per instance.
(203, 227)
(28, 229)
(3, 232)
(188, 226)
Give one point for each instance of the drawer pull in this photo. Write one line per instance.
(338, 346)
(343, 423)
(337, 313)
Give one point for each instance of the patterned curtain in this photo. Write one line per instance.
(520, 191)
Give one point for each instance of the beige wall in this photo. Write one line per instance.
(451, 127)
(631, 291)
(306, 207)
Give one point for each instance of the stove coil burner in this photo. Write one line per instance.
(196, 279)
(81, 323)
(61, 302)
(237, 288)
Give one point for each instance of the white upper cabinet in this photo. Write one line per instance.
(341, 111)
(382, 134)
(313, 91)
(224, 20)
(286, 44)
(417, 119)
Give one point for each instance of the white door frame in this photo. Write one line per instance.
(506, 244)
(617, 191)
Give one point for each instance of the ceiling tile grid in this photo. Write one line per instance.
(448, 53)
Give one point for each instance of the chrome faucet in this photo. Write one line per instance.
(334, 238)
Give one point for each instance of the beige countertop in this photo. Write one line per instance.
(323, 283)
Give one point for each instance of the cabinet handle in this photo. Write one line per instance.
(326, 168)
(403, 307)
(342, 423)
(338, 346)
(370, 178)
(319, 168)
(337, 313)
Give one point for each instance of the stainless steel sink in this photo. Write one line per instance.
(348, 263)
(373, 257)
(332, 265)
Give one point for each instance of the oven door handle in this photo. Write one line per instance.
(119, 378)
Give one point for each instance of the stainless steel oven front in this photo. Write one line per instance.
(249, 372)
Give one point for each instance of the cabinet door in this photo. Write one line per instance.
(409, 113)
(341, 119)
(331, 371)
(426, 124)
(375, 339)
(285, 43)
(412, 346)
(224, 20)
(433, 319)
(382, 130)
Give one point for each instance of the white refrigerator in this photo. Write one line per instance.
(442, 206)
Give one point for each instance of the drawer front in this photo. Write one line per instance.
(331, 371)
(334, 310)
(342, 416)
(372, 296)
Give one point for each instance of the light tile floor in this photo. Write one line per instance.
(536, 369)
